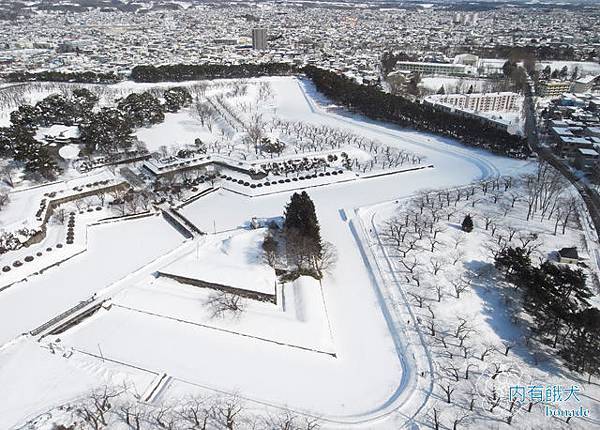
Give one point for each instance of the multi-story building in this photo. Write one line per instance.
(431, 68)
(585, 84)
(259, 39)
(485, 102)
(554, 88)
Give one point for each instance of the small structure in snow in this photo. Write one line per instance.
(69, 152)
(568, 256)
(60, 134)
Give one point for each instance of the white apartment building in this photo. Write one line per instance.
(431, 68)
(484, 102)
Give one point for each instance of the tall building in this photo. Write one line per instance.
(259, 38)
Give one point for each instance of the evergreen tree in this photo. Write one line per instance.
(84, 101)
(36, 158)
(302, 231)
(6, 142)
(107, 131)
(26, 116)
(554, 294)
(55, 109)
(176, 98)
(514, 262)
(547, 72)
(141, 109)
(564, 72)
(441, 91)
(508, 68)
(467, 224)
(582, 347)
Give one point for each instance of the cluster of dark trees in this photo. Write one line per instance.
(377, 104)
(18, 141)
(563, 73)
(557, 298)
(518, 75)
(189, 72)
(389, 60)
(109, 130)
(87, 77)
(302, 232)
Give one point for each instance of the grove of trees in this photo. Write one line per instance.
(558, 300)
(377, 104)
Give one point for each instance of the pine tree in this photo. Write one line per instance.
(467, 224)
(514, 262)
(302, 231)
(176, 98)
(107, 131)
(582, 346)
(554, 294)
(141, 110)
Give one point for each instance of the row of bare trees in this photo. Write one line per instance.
(311, 138)
(115, 407)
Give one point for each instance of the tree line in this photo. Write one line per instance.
(189, 72)
(377, 104)
(87, 77)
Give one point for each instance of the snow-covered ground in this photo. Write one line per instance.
(449, 279)
(338, 350)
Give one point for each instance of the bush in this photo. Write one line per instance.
(467, 224)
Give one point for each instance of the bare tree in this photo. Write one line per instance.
(326, 261)
(4, 198)
(226, 413)
(435, 265)
(459, 418)
(288, 420)
(94, 409)
(409, 265)
(419, 299)
(59, 216)
(488, 348)
(196, 412)
(460, 285)
(448, 390)
(457, 256)
(221, 304)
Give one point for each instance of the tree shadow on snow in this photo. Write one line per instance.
(501, 318)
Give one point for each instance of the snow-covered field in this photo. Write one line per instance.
(341, 350)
